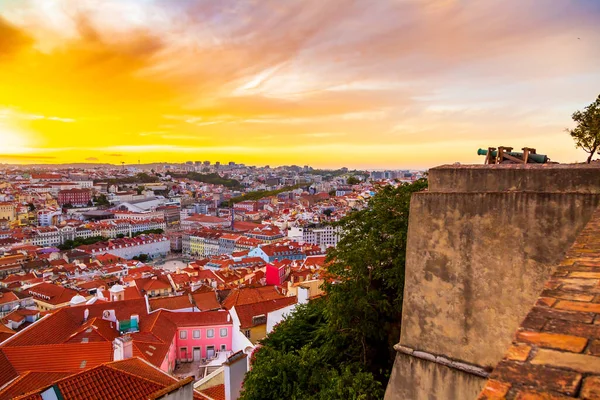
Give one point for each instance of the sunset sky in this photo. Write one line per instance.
(365, 84)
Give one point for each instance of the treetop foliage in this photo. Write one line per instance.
(341, 346)
(261, 194)
(587, 132)
(213, 178)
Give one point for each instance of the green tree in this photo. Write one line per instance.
(260, 194)
(101, 200)
(210, 178)
(365, 299)
(341, 346)
(327, 212)
(587, 131)
(156, 231)
(302, 359)
(353, 180)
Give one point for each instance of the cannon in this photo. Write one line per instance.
(506, 155)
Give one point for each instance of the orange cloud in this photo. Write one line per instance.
(268, 81)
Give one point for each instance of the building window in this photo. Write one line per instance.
(182, 334)
(247, 333)
(210, 333)
(196, 334)
(223, 332)
(223, 347)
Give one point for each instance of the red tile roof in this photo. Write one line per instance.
(51, 293)
(70, 344)
(206, 301)
(7, 371)
(148, 284)
(59, 326)
(206, 219)
(5, 332)
(251, 295)
(58, 357)
(29, 382)
(199, 318)
(247, 312)
(94, 330)
(170, 303)
(215, 392)
(139, 367)
(134, 380)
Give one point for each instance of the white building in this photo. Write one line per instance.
(323, 236)
(128, 248)
(49, 216)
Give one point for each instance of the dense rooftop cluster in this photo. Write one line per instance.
(132, 283)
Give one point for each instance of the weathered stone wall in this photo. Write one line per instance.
(477, 262)
(417, 379)
(481, 244)
(576, 178)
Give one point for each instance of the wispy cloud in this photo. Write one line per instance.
(134, 73)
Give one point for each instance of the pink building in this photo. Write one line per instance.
(201, 334)
(277, 272)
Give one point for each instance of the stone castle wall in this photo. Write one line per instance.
(481, 244)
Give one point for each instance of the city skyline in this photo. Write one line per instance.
(390, 85)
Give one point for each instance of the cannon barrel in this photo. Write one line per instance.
(537, 158)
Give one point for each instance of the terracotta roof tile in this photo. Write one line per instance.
(154, 353)
(59, 357)
(170, 303)
(7, 371)
(138, 367)
(51, 293)
(215, 392)
(95, 330)
(199, 318)
(251, 295)
(555, 352)
(60, 325)
(104, 382)
(5, 332)
(206, 301)
(29, 382)
(247, 312)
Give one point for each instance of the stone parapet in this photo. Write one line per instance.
(543, 178)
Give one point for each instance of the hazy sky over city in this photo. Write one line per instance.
(366, 84)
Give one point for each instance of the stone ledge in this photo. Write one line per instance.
(459, 365)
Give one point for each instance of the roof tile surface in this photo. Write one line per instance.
(555, 353)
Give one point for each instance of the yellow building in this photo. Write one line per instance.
(196, 245)
(8, 211)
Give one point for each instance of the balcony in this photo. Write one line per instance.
(203, 367)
